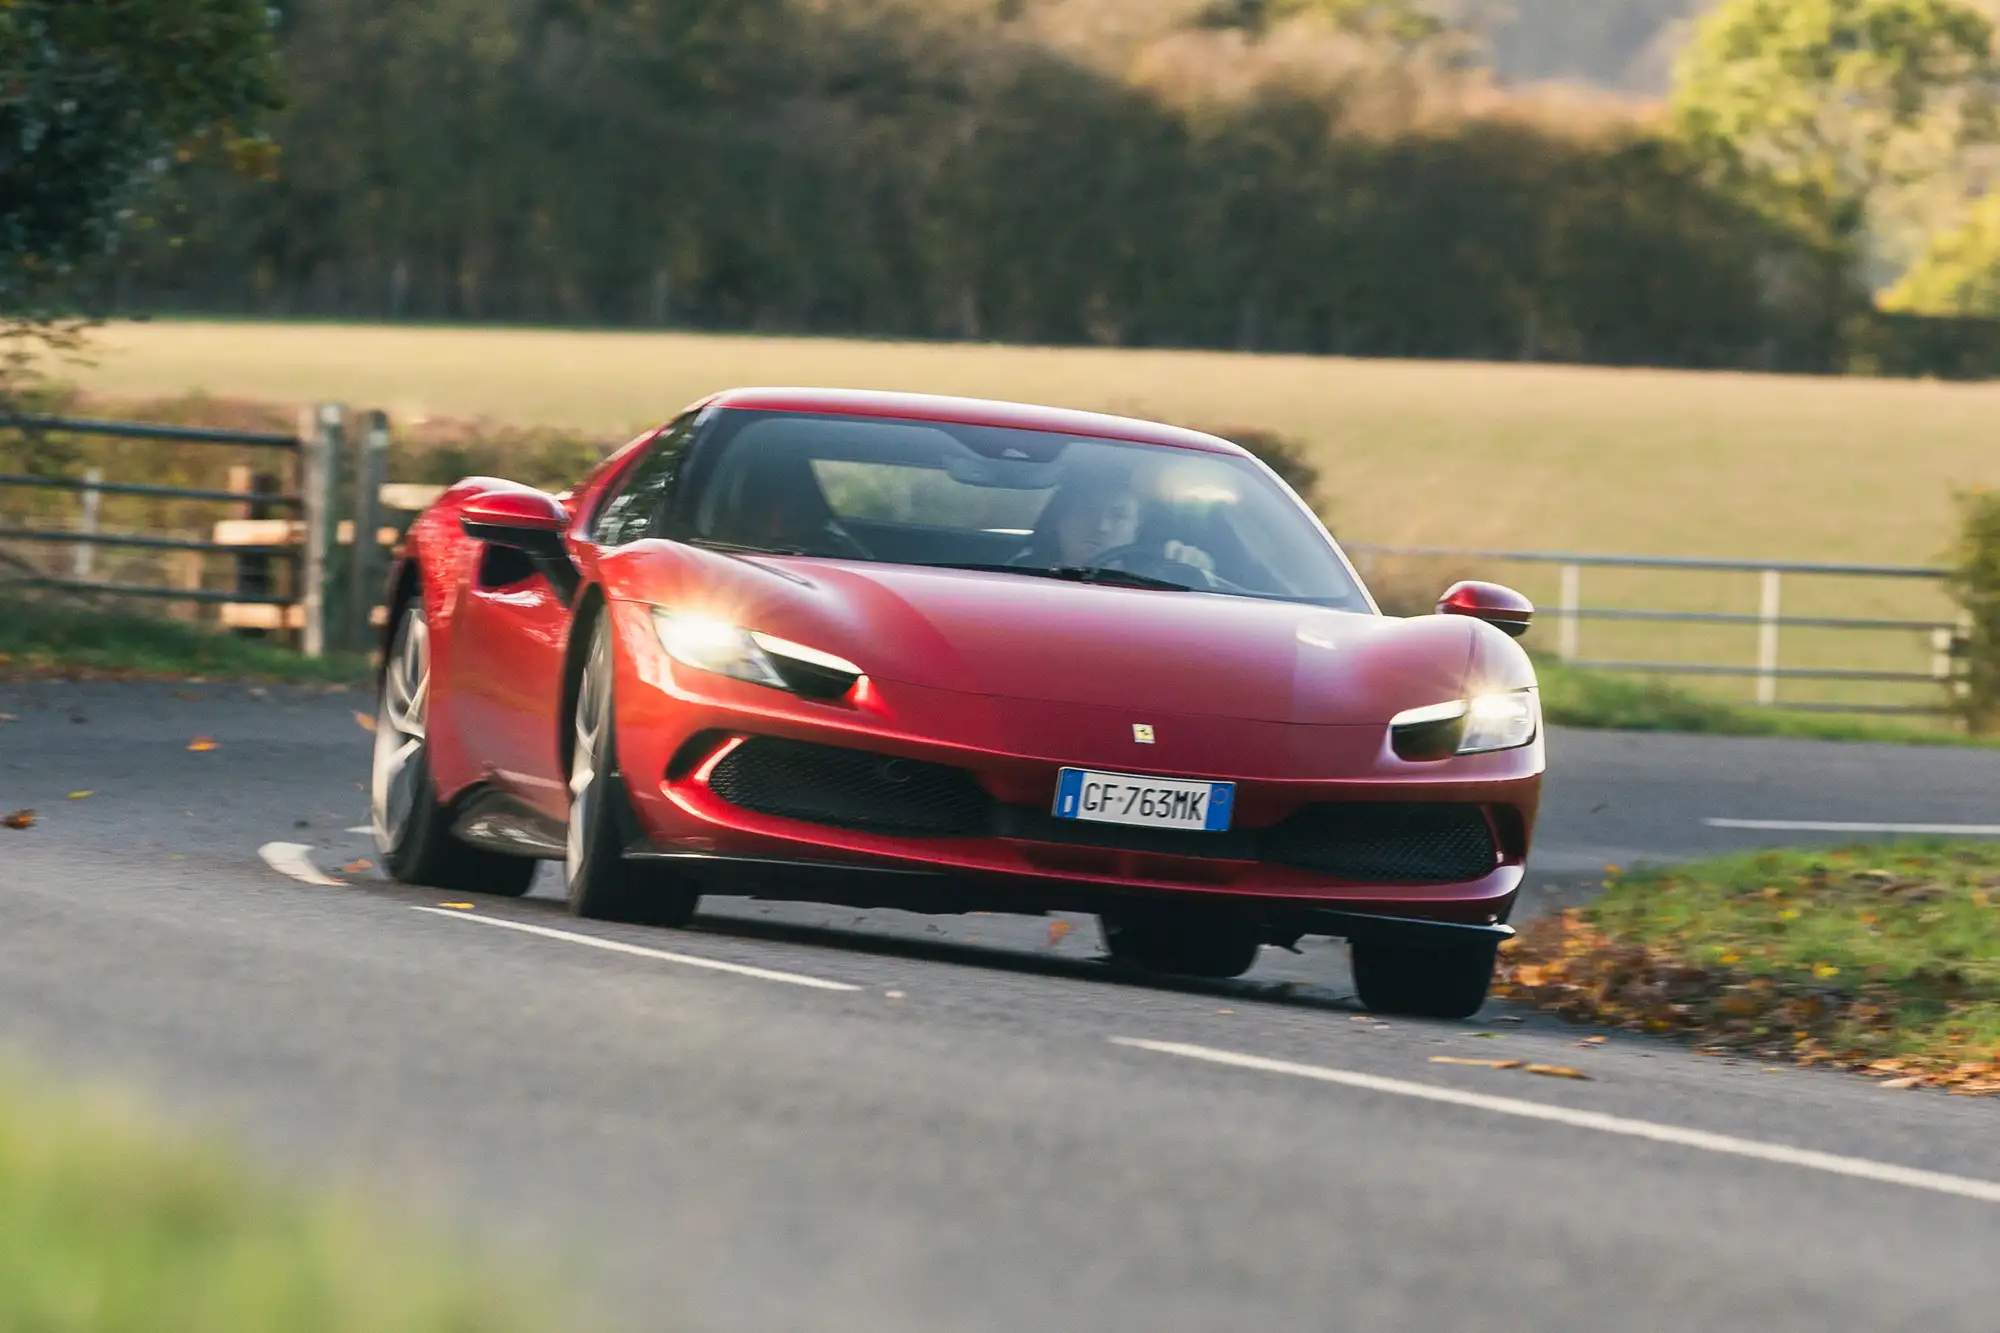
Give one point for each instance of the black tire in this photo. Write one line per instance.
(1445, 982)
(1185, 942)
(413, 837)
(599, 882)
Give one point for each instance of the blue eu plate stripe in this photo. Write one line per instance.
(1067, 791)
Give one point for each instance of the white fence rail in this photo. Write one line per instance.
(1946, 636)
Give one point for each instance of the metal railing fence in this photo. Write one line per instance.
(293, 543)
(1946, 637)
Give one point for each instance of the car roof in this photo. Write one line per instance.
(969, 412)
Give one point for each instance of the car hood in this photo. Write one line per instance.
(1022, 637)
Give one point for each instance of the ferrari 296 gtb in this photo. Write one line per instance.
(945, 655)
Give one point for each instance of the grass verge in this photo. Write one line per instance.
(45, 636)
(107, 1226)
(1884, 960)
(1605, 701)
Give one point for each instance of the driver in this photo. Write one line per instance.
(1092, 512)
(1097, 513)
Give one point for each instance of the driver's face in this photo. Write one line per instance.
(1099, 524)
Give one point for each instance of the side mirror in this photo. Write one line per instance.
(1503, 608)
(528, 521)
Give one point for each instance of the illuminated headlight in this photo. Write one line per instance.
(1479, 725)
(707, 644)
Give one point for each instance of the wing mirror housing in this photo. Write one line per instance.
(1500, 607)
(528, 521)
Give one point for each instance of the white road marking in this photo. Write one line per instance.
(640, 951)
(1859, 1168)
(1831, 826)
(289, 858)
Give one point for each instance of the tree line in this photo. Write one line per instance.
(951, 169)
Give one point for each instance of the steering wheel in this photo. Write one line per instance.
(1135, 558)
(842, 543)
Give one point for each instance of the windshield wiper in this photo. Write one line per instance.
(739, 548)
(1116, 578)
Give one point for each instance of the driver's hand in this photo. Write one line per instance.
(1183, 554)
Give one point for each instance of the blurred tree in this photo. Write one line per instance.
(1408, 24)
(98, 98)
(1959, 272)
(1819, 109)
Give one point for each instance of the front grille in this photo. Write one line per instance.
(1384, 843)
(851, 789)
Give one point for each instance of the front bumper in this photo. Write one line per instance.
(677, 726)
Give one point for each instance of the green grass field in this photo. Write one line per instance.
(1414, 453)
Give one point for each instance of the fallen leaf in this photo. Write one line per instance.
(1558, 1071)
(1509, 1018)
(457, 907)
(201, 743)
(186, 694)
(19, 819)
(1593, 1041)
(1361, 1018)
(1058, 929)
(362, 864)
(365, 721)
(1225, 1011)
(8, 717)
(1910, 1082)
(892, 995)
(1482, 1064)
(79, 795)
(1491, 1036)
(336, 689)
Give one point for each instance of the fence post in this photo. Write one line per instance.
(1767, 640)
(371, 469)
(319, 455)
(85, 554)
(1568, 621)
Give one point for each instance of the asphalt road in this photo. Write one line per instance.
(886, 1122)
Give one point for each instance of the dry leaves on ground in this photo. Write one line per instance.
(19, 819)
(200, 744)
(1569, 966)
(365, 721)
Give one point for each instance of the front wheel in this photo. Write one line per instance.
(600, 882)
(413, 834)
(1447, 982)
(1191, 943)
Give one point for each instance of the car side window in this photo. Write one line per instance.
(630, 513)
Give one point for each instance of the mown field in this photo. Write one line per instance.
(1425, 453)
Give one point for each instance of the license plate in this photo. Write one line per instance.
(1122, 798)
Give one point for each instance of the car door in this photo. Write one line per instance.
(514, 629)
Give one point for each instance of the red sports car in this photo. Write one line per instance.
(944, 654)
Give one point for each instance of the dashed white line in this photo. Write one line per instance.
(640, 951)
(1859, 1168)
(289, 858)
(1834, 826)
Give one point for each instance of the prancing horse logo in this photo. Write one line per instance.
(1142, 732)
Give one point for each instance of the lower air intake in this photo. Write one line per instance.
(1386, 844)
(850, 789)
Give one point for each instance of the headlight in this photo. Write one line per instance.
(1479, 725)
(763, 659)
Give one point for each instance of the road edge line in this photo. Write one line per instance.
(640, 950)
(1859, 1168)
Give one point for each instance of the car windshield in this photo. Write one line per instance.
(1033, 503)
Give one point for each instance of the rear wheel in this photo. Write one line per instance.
(1189, 942)
(413, 834)
(601, 883)
(1446, 982)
